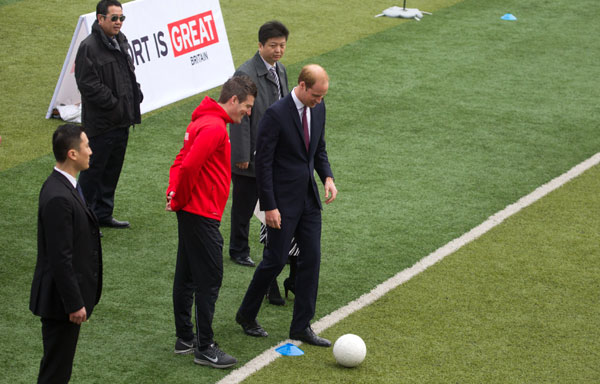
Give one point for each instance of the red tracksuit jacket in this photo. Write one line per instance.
(201, 173)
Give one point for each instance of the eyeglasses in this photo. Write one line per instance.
(114, 18)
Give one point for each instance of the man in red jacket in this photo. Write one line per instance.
(198, 189)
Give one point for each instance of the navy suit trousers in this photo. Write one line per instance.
(307, 229)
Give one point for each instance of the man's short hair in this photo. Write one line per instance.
(102, 6)
(272, 29)
(309, 75)
(65, 138)
(240, 86)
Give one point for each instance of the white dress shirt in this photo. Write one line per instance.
(300, 106)
(68, 176)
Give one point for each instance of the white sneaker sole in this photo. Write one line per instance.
(211, 364)
(184, 351)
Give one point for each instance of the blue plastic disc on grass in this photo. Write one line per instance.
(509, 16)
(290, 350)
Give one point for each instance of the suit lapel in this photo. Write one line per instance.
(315, 126)
(261, 69)
(282, 80)
(76, 196)
(312, 134)
(295, 116)
(88, 211)
(270, 77)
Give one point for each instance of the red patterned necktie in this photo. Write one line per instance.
(305, 127)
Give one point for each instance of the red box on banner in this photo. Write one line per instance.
(193, 33)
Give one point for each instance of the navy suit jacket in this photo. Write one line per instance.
(284, 169)
(68, 273)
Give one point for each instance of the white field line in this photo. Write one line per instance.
(270, 355)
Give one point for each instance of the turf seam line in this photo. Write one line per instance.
(336, 316)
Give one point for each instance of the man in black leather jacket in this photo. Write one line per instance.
(111, 98)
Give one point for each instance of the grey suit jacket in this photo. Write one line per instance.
(243, 135)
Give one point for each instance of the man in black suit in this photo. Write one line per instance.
(290, 147)
(67, 281)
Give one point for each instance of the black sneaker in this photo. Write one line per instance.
(213, 357)
(183, 347)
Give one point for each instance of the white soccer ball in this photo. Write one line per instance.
(349, 350)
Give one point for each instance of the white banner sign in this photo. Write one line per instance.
(179, 49)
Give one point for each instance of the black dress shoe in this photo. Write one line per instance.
(308, 336)
(114, 223)
(243, 260)
(251, 328)
(273, 294)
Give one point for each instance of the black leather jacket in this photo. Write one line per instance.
(105, 76)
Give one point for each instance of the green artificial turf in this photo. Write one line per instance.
(432, 127)
(36, 35)
(518, 305)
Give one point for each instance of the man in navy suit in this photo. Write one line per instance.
(290, 146)
(67, 281)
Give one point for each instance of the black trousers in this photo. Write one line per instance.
(99, 181)
(307, 229)
(60, 341)
(244, 198)
(198, 276)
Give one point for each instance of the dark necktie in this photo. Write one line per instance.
(78, 188)
(305, 127)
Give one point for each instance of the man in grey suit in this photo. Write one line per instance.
(271, 81)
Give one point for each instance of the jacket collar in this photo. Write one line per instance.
(261, 67)
(74, 192)
(97, 30)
